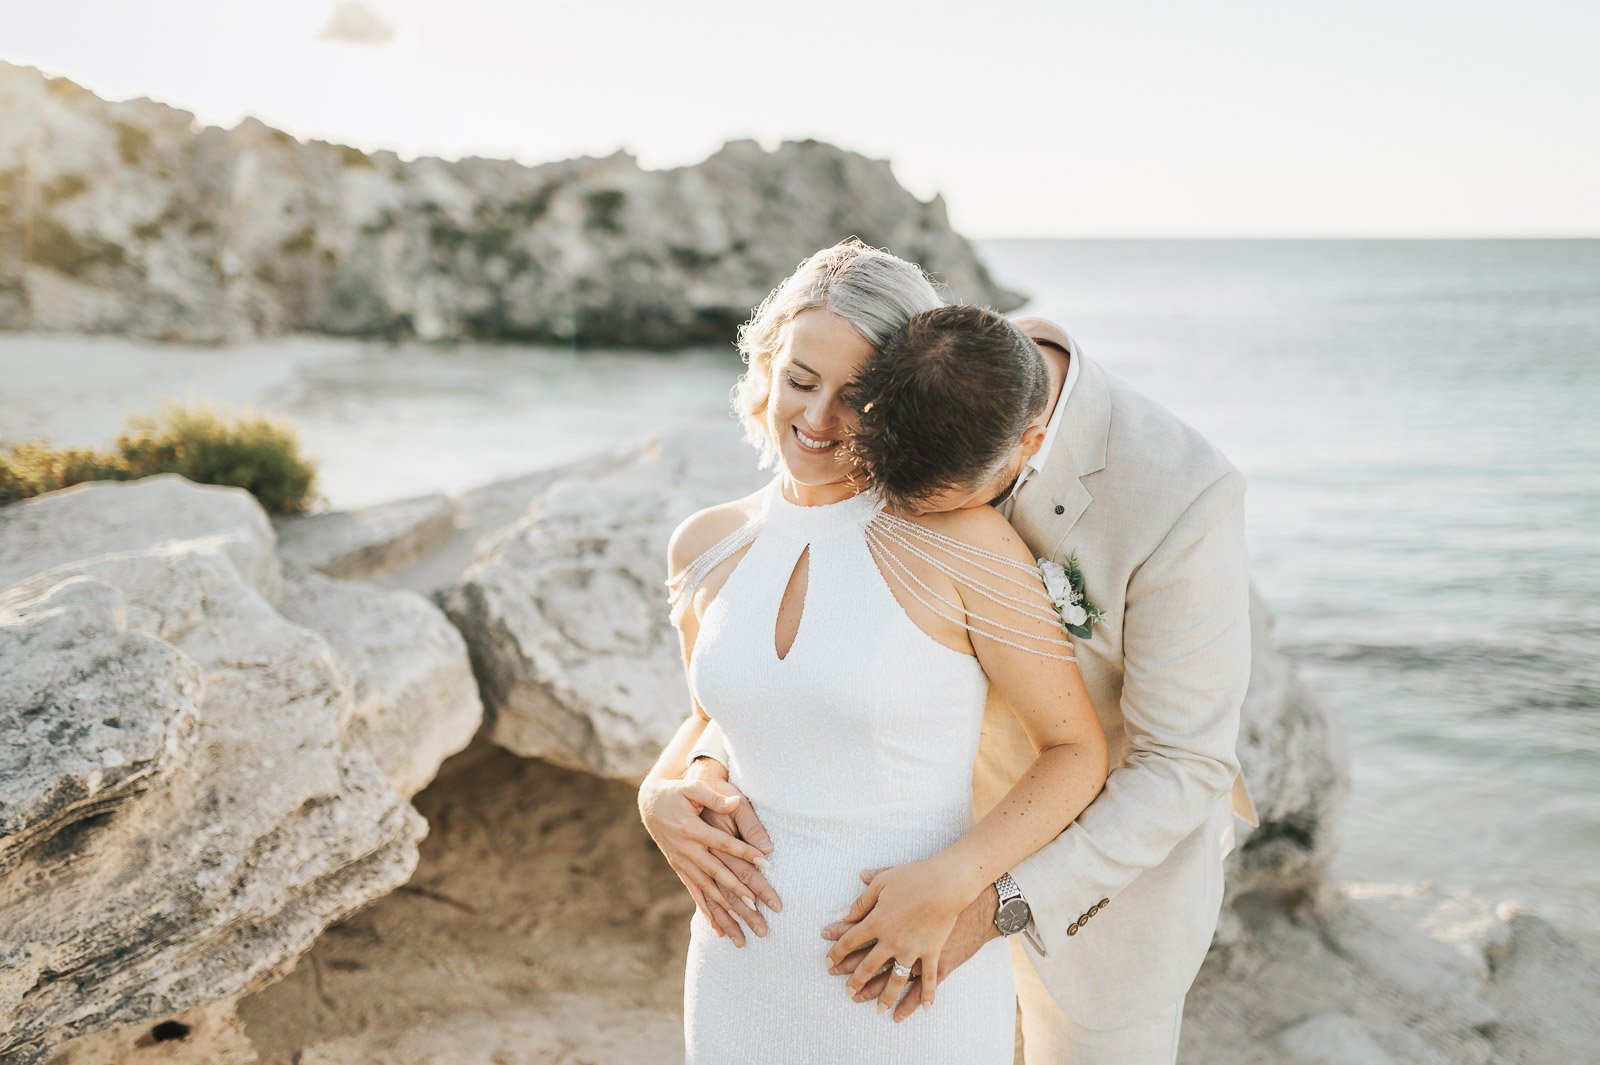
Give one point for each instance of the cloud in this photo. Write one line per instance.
(353, 22)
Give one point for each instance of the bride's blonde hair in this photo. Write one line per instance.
(876, 292)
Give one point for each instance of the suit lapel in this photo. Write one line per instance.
(1050, 502)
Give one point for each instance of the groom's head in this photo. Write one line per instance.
(950, 408)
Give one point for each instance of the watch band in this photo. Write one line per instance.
(1013, 914)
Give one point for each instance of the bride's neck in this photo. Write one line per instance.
(818, 495)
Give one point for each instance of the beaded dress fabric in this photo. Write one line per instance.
(856, 750)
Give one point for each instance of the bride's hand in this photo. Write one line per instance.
(905, 915)
(672, 810)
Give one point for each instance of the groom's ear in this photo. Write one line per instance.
(1032, 440)
(1042, 331)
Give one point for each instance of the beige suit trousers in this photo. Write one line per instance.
(1050, 1037)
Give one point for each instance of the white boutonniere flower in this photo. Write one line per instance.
(1063, 582)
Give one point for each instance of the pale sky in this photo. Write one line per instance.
(1245, 118)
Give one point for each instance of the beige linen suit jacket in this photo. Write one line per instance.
(1126, 899)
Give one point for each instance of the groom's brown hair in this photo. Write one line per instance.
(945, 402)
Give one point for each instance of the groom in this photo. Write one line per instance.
(1110, 921)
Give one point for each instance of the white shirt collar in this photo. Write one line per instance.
(1036, 461)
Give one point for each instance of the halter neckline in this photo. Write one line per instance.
(844, 515)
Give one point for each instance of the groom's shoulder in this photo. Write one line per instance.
(1149, 443)
(705, 529)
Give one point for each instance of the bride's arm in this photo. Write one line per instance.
(675, 810)
(910, 910)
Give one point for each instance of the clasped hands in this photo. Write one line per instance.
(916, 914)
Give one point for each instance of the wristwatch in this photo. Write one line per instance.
(1014, 914)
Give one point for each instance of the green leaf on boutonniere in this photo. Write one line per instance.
(1093, 613)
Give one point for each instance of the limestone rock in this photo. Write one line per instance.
(166, 512)
(187, 794)
(414, 702)
(128, 218)
(85, 729)
(357, 544)
(1544, 989)
(483, 515)
(1370, 974)
(1331, 1039)
(566, 614)
(1295, 761)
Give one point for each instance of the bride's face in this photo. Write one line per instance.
(807, 417)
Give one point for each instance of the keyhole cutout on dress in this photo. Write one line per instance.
(792, 606)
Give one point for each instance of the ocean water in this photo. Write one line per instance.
(1417, 420)
(1418, 423)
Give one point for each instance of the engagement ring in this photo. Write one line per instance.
(902, 971)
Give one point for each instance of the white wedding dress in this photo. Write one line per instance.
(856, 751)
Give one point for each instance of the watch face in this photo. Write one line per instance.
(1013, 917)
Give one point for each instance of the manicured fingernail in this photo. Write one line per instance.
(761, 862)
(882, 1005)
(776, 904)
(748, 901)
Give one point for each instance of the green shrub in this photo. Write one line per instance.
(203, 443)
(30, 469)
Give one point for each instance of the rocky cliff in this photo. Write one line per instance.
(128, 218)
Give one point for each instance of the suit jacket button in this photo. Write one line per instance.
(1105, 902)
(1094, 909)
(1060, 509)
(1082, 917)
(1072, 929)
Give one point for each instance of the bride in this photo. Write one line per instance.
(846, 649)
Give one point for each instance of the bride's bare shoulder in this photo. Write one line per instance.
(705, 529)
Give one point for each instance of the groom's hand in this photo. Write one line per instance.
(973, 928)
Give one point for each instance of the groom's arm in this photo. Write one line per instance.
(711, 745)
(1186, 651)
